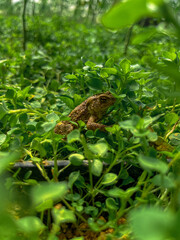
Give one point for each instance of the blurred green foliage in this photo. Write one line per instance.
(133, 168)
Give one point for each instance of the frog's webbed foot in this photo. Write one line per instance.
(63, 128)
(92, 125)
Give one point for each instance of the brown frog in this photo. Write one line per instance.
(90, 111)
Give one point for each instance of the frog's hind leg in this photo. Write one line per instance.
(63, 128)
(92, 125)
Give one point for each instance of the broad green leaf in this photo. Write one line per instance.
(128, 12)
(10, 93)
(63, 215)
(6, 159)
(171, 70)
(176, 164)
(175, 139)
(23, 118)
(8, 227)
(125, 66)
(111, 204)
(24, 92)
(95, 83)
(47, 191)
(78, 238)
(152, 164)
(47, 204)
(31, 181)
(37, 145)
(54, 85)
(96, 167)
(99, 148)
(73, 136)
(30, 224)
(109, 179)
(116, 193)
(68, 101)
(109, 70)
(171, 118)
(109, 63)
(3, 112)
(147, 34)
(2, 138)
(90, 210)
(76, 159)
(35, 104)
(48, 126)
(71, 77)
(163, 181)
(72, 178)
(90, 64)
(151, 223)
(52, 117)
(152, 136)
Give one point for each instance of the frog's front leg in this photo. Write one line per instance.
(63, 128)
(92, 125)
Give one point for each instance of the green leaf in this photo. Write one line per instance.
(71, 76)
(63, 215)
(45, 191)
(2, 138)
(109, 179)
(171, 118)
(48, 126)
(151, 223)
(109, 70)
(76, 159)
(111, 204)
(95, 83)
(73, 136)
(35, 104)
(72, 178)
(8, 226)
(109, 63)
(152, 164)
(144, 36)
(163, 181)
(128, 12)
(96, 167)
(47, 204)
(23, 118)
(78, 238)
(6, 159)
(90, 210)
(37, 145)
(68, 101)
(152, 136)
(52, 117)
(30, 224)
(116, 193)
(90, 64)
(3, 112)
(99, 148)
(125, 66)
(10, 93)
(175, 139)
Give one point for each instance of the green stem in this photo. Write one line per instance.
(43, 172)
(72, 209)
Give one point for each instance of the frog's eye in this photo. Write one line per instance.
(103, 99)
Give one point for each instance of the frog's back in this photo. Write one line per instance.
(80, 113)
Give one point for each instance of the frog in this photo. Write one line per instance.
(91, 111)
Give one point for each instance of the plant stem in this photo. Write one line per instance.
(24, 25)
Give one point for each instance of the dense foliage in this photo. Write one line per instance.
(131, 171)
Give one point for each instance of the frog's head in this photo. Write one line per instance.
(99, 103)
